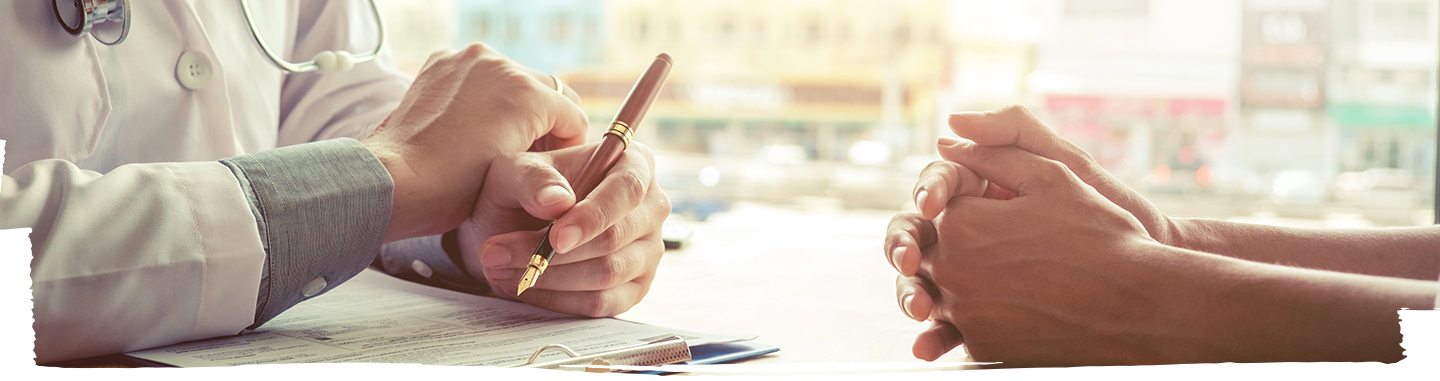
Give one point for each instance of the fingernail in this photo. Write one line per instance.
(895, 256)
(566, 238)
(551, 195)
(969, 115)
(900, 255)
(949, 141)
(920, 199)
(906, 304)
(493, 256)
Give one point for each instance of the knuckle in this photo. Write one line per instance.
(1014, 109)
(597, 306)
(610, 239)
(613, 270)
(634, 183)
(663, 204)
(1052, 168)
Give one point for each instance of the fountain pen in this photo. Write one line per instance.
(612, 145)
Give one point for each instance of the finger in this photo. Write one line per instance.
(568, 125)
(601, 303)
(622, 190)
(642, 223)
(995, 192)
(533, 183)
(601, 273)
(936, 341)
(1015, 125)
(509, 250)
(942, 180)
(914, 299)
(1014, 169)
(906, 235)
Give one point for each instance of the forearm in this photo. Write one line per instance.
(1230, 310)
(1411, 252)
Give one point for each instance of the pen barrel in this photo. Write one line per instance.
(605, 157)
(644, 92)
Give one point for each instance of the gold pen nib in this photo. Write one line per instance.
(532, 273)
(528, 280)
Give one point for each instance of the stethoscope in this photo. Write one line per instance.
(108, 21)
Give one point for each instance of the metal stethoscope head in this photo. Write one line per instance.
(109, 22)
(81, 16)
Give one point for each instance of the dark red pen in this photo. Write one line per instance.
(612, 145)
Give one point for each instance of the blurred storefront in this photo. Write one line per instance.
(1212, 108)
(1146, 87)
(1381, 103)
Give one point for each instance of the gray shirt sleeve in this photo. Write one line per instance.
(322, 209)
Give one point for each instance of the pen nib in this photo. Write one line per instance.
(528, 280)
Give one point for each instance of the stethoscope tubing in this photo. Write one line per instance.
(89, 19)
(309, 66)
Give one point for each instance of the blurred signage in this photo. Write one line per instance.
(1283, 53)
(1363, 116)
(1125, 106)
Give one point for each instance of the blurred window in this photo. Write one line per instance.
(1107, 8)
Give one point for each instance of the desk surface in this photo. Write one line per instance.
(813, 283)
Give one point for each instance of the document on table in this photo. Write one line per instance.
(376, 318)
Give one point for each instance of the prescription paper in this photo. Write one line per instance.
(375, 318)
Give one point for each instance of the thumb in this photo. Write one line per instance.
(1016, 126)
(531, 182)
(1014, 169)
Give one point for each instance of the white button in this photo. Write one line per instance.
(421, 268)
(315, 286)
(193, 70)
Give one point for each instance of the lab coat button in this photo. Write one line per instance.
(421, 268)
(193, 70)
(315, 286)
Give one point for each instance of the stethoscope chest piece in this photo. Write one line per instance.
(106, 20)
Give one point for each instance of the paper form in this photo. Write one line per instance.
(376, 318)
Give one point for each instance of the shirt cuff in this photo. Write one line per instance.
(322, 210)
(427, 260)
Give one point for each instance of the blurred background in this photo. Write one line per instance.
(1296, 112)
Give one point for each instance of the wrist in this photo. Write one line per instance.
(410, 198)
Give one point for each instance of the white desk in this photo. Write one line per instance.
(814, 284)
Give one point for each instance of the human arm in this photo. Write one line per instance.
(1059, 275)
(1400, 252)
(426, 167)
(153, 254)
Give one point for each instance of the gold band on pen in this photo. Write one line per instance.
(539, 263)
(622, 131)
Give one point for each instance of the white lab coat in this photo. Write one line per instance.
(152, 254)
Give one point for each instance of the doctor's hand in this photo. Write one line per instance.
(465, 109)
(608, 245)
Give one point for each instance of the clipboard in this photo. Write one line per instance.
(665, 351)
(669, 350)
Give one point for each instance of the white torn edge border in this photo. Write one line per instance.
(810, 368)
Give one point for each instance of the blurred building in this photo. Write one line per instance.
(1285, 55)
(1381, 83)
(414, 29)
(1381, 100)
(546, 35)
(788, 98)
(1146, 86)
